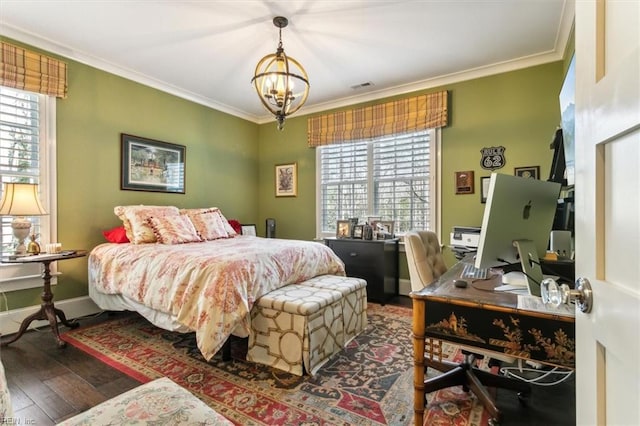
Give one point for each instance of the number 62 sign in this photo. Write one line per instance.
(492, 158)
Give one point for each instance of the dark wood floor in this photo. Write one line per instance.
(49, 384)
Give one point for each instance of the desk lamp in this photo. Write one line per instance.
(20, 200)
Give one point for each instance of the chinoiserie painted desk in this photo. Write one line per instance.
(478, 317)
(47, 309)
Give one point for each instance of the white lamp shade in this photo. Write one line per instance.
(21, 199)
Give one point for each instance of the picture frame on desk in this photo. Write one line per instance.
(248, 229)
(385, 229)
(358, 232)
(343, 229)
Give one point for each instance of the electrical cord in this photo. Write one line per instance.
(564, 375)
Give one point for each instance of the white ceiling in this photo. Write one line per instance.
(206, 51)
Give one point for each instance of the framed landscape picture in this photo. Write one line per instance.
(150, 165)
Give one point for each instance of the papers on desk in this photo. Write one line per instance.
(534, 303)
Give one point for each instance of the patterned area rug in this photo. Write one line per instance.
(368, 383)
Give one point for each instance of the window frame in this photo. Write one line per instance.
(434, 224)
(25, 276)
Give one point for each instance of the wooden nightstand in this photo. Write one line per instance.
(47, 310)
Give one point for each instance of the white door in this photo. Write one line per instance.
(608, 210)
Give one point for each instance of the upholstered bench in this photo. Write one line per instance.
(158, 402)
(298, 327)
(354, 301)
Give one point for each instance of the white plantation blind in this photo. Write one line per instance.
(27, 154)
(389, 176)
(401, 173)
(344, 174)
(20, 119)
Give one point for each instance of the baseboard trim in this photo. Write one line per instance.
(73, 308)
(404, 287)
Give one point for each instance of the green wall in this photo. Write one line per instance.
(230, 162)
(221, 162)
(518, 110)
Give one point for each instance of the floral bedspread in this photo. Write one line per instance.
(211, 286)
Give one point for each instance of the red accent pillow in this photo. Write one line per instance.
(235, 225)
(116, 235)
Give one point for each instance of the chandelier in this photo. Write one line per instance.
(281, 82)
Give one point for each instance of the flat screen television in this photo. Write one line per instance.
(516, 225)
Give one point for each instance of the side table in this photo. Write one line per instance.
(47, 310)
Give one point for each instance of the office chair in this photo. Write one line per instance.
(426, 264)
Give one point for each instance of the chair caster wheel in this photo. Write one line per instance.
(493, 422)
(523, 398)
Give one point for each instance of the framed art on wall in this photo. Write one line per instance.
(484, 188)
(464, 182)
(287, 180)
(150, 165)
(532, 172)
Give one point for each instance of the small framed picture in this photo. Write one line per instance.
(343, 229)
(384, 229)
(464, 182)
(249, 229)
(484, 188)
(357, 231)
(373, 219)
(287, 180)
(531, 172)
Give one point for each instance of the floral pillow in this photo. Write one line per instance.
(136, 224)
(174, 229)
(209, 225)
(190, 212)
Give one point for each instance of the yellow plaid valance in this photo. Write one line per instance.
(26, 70)
(401, 116)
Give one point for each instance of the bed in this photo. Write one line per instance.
(206, 286)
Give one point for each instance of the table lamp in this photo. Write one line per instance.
(20, 200)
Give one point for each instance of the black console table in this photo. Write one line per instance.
(375, 261)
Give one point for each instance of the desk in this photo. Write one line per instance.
(478, 317)
(47, 310)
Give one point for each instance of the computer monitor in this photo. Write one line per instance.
(516, 225)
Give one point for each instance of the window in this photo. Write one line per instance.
(392, 177)
(27, 154)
